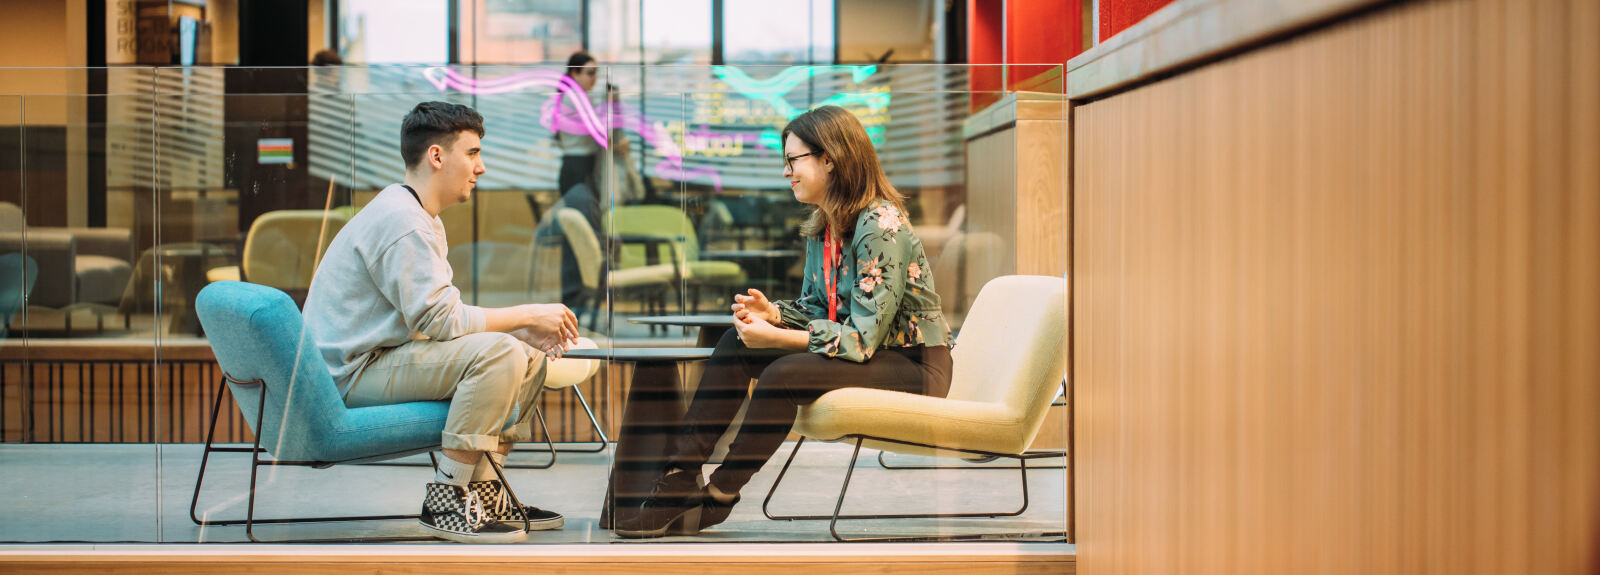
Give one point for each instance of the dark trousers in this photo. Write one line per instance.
(574, 170)
(785, 380)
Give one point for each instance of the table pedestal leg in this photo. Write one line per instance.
(650, 422)
(710, 336)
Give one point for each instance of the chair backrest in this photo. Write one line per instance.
(948, 268)
(282, 247)
(958, 218)
(17, 274)
(257, 334)
(585, 246)
(1012, 346)
(11, 217)
(655, 221)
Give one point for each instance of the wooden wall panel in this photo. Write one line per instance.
(1043, 216)
(991, 209)
(1337, 302)
(1017, 203)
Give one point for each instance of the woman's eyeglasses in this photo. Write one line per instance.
(788, 161)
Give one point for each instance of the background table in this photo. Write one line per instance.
(768, 269)
(181, 275)
(712, 326)
(651, 415)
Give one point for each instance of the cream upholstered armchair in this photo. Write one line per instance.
(566, 373)
(1006, 369)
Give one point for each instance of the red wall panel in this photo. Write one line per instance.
(1118, 15)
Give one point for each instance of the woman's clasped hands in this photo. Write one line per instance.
(754, 318)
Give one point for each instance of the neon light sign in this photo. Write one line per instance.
(585, 120)
(588, 122)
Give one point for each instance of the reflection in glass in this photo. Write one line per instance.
(689, 187)
(519, 31)
(780, 31)
(677, 32)
(891, 31)
(394, 31)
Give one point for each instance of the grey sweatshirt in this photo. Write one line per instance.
(384, 281)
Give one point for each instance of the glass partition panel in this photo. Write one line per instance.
(18, 272)
(82, 394)
(643, 198)
(725, 173)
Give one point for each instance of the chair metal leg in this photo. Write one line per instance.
(1052, 454)
(550, 445)
(504, 484)
(256, 462)
(205, 456)
(592, 419)
(600, 446)
(781, 473)
(833, 519)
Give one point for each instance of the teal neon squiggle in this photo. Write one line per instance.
(785, 81)
(772, 90)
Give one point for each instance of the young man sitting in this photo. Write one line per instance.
(393, 329)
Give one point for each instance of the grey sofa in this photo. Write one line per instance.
(76, 265)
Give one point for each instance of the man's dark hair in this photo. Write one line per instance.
(435, 123)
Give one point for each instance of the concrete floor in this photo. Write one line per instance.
(141, 493)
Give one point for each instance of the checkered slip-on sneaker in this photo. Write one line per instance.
(499, 506)
(457, 514)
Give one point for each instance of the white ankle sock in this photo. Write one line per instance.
(453, 472)
(486, 473)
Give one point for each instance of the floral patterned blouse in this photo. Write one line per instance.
(886, 296)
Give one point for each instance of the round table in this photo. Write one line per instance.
(651, 415)
(712, 326)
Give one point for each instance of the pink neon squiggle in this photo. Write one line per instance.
(447, 79)
(589, 121)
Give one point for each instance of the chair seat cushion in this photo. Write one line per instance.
(222, 274)
(951, 423)
(641, 276)
(365, 433)
(567, 372)
(101, 279)
(716, 272)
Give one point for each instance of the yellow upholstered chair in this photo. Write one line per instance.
(672, 224)
(1007, 366)
(652, 281)
(566, 373)
(282, 249)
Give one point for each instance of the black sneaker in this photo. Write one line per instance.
(457, 514)
(673, 508)
(497, 502)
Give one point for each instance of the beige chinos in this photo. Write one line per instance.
(484, 375)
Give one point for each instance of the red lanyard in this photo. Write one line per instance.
(829, 260)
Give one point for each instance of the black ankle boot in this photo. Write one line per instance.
(673, 508)
(713, 512)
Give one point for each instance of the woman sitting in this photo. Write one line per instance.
(867, 316)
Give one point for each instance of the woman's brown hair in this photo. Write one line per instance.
(857, 178)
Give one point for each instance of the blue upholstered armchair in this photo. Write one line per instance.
(289, 399)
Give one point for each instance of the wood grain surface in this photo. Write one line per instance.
(1337, 302)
